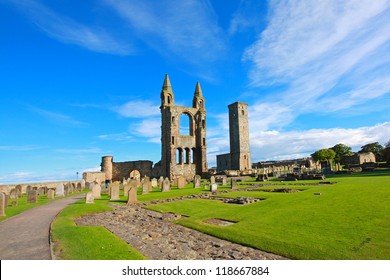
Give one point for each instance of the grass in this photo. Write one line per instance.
(88, 242)
(349, 220)
(22, 206)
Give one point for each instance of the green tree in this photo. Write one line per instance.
(341, 150)
(375, 148)
(324, 155)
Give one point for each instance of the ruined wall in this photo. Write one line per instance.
(182, 154)
(223, 162)
(116, 171)
(93, 176)
(358, 158)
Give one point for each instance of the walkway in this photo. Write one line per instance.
(26, 236)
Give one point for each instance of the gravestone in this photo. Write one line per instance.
(6, 197)
(82, 182)
(41, 191)
(181, 182)
(60, 190)
(154, 183)
(32, 196)
(214, 188)
(13, 194)
(2, 204)
(126, 189)
(160, 182)
(234, 184)
(89, 199)
(197, 180)
(90, 185)
(212, 180)
(79, 188)
(145, 187)
(50, 194)
(224, 183)
(166, 185)
(96, 190)
(19, 190)
(28, 188)
(132, 195)
(114, 195)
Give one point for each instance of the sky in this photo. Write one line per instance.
(82, 79)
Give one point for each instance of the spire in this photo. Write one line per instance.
(167, 83)
(167, 98)
(198, 101)
(198, 90)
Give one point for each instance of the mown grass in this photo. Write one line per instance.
(22, 206)
(88, 242)
(349, 220)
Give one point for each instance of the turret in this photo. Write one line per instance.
(167, 97)
(198, 101)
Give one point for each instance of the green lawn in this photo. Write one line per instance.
(349, 220)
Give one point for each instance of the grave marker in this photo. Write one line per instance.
(60, 190)
(166, 185)
(114, 195)
(96, 190)
(32, 196)
(50, 194)
(2, 204)
(197, 180)
(132, 195)
(89, 199)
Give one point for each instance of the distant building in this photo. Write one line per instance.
(358, 159)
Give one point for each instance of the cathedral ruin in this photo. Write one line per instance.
(183, 142)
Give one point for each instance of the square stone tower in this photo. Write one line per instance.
(183, 153)
(239, 136)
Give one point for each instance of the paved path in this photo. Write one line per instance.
(26, 236)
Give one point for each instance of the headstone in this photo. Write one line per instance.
(132, 195)
(224, 183)
(97, 189)
(134, 183)
(214, 188)
(181, 182)
(89, 199)
(126, 189)
(32, 196)
(6, 197)
(160, 182)
(145, 187)
(82, 182)
(234, 184)
(41, 191)
(114, 195)
(2, 204)
(28, 188)
(13, 194)
(50, 194)
(19, 190)
(154, 183)
(60, 190)
(212, 180)
(197, 180)
(166, 185)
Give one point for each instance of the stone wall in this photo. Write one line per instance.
(358, 159)
(93, 176)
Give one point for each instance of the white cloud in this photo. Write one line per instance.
(138, 109)
(58, 117)
(148, 128)
(187, 29)
(69, 31)
(325, 56)
(116, 137)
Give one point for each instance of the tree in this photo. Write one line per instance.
(341, 150)
(374, 148)
(387, 145)
(324, 155)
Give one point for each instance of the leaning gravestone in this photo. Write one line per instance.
(89, 199)
(60, 190)
(166, 185)
(212, 180)
(234, 184)
(197, 179)
(32, 196)
(50, 194)
(2, 204)
(214, 188)
(132, 195)
(114, 195)
(96, 190)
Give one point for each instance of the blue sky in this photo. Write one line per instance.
(82, 79)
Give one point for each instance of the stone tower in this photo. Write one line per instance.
(183, 153)
(239, 136)
(106, 166)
